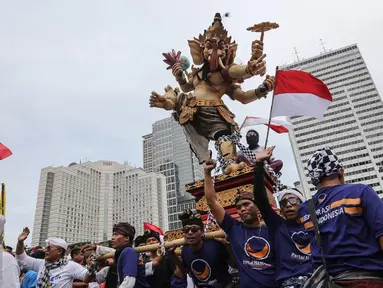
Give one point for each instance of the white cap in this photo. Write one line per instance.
(57, 242)
(290, 191)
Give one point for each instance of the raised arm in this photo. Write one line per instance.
(21, 257)
(271, 218)
(236, 93)
(211, 198)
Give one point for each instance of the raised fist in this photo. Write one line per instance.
(209, 165)
(269, 82)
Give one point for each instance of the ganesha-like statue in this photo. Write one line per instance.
(199, 107)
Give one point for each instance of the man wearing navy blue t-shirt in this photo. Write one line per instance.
(350, 219)
(249, 239)
(291, 242)
(205, 260)
(130, 273)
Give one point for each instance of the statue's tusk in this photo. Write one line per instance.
(221, 63)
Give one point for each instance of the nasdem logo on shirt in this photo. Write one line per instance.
(302, 242)
(257, 247)
(201, 269)
(321, 197)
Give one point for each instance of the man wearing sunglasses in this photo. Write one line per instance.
(249, 239)
(205, 260)
(291, 242)
(54, 270)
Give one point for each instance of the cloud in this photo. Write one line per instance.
(76, 75)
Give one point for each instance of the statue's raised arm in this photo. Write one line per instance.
(199, 107)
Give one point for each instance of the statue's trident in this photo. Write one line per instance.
(263, 27)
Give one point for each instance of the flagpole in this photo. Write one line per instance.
(2, 210)
(240, 128)
(271, 109)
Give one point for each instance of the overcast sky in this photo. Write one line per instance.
(75, 76)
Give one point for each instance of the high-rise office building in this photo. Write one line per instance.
(166, 151)
(148, 152)
(81, 202)
(353, 123)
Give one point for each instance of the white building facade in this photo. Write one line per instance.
(353, 123)
(166, 151)
(81, 202)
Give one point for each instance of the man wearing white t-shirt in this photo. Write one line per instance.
(9, 270)
(55, 271)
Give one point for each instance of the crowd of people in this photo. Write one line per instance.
(334, 239)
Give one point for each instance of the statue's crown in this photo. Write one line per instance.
(216, 30)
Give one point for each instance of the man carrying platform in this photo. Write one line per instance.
(291, 242)
(205, 260)
(350, 221)
(249, 239)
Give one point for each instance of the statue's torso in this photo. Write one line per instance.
(209, 91)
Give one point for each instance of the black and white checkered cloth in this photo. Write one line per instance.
(323, 163)
(45, 283)
(235, 138)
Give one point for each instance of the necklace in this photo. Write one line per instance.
(259, 231)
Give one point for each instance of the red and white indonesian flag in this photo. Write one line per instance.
(149, 226)
(299, 93)
(278, 126)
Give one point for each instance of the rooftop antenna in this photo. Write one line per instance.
(296, 53)
(322, 44)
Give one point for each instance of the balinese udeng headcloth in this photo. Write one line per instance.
(243, 196)
(151, 234)
(139, 240)
(189, 217)
(124, 228)
(216, 30)
(322, 164)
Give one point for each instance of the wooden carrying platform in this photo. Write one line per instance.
(227, 186)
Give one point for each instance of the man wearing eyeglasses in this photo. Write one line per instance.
(205, 260)
(291, 242)
(54, 270)
(249, 239)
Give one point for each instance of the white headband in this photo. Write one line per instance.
(287, 191)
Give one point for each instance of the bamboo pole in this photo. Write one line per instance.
(171, 244)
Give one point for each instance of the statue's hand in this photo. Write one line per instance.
(156, 100)
(256, 49)
(257, 67)
(269, 82)
(177, 70)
